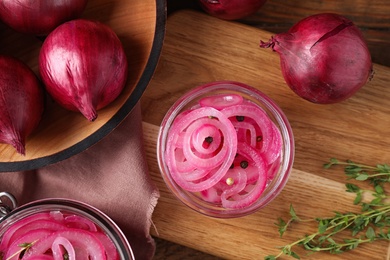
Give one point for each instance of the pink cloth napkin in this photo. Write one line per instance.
(112, 175)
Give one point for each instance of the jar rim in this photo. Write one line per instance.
(271, 107)
(77, 207)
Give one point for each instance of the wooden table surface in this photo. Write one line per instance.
(199, 49)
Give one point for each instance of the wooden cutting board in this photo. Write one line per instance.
(199, 49)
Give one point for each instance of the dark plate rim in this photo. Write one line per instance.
(161, 17)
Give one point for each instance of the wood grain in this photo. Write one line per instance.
(276, 16)
(373, 18)
(199, 49)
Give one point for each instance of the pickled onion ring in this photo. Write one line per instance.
(42, 257)
(60, 246)
(232, 183)
(246, 132)
(221, 101)
(239, 180)
(78, 238)
(205, 162)
(75, 221)
(252, 173)
(14, 249)
(258, 116)
(273, 169)
(196, 175)
(6, 238)
(276, 148)
(238, 201)
(212, 195)
(49, 235)
(225, 149)
(35, 225)
(200, 136)
(217, 163)
(109, 247)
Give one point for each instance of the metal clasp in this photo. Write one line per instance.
(7, 204)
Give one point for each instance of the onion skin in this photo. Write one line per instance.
(324, 58)
(83, 66)
(21, 102)
(39, 17)
(231, 9)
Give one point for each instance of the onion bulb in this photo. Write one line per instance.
(324, 58)
(83, 66)
(39, 17)
(21, 102)
(231, 9)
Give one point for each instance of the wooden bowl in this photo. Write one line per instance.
(140, 25)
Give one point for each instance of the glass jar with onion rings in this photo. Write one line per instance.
(225, 149)
(58, 229)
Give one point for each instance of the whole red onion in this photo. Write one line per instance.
(39, 17)
(21, 102)
(83, 66)
(324, 58)
(231, 9)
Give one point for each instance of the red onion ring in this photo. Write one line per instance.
(57, 233)
(241, 201)
(225, 150)
(218, 164)
(221, 101)
(258, 116)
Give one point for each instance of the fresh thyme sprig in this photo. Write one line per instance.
(371, 224)
(376, 174)
(24, 247)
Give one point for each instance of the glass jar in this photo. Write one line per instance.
(80, 213)
(196, 179)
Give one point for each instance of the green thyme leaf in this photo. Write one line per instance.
(323, 225)
(370, 233)
(295, 255)
(362, 177)
(373, 222)
(282, 226)
(352, 188)
(383, 168)
(293, 213)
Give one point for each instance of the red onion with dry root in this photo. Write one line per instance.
(324, 58)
